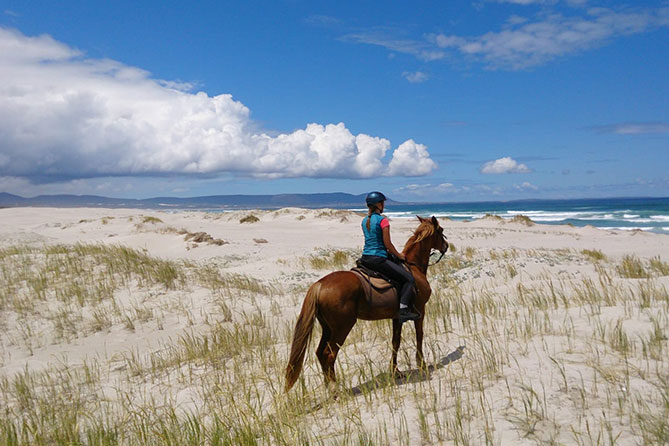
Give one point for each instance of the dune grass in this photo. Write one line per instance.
(550, 358)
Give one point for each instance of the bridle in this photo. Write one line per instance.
(431, 254)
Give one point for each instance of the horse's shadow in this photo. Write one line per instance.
(385, 379)
(391, 379)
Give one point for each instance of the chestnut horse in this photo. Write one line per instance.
(338, 301)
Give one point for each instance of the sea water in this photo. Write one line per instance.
(645, 214)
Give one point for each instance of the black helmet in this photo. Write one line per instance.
(374, 198)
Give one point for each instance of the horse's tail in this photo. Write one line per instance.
(302, 335)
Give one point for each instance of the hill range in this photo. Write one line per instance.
(319, 200)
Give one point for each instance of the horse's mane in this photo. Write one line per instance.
(424, 230)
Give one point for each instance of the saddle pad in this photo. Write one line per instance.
(377, 283)
(377, 291)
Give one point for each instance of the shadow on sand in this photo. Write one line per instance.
(409, 376)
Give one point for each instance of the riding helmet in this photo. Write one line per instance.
(374, 198)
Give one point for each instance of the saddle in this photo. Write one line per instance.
(376, 285)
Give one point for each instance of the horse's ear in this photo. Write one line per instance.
(435, 222)
(420, 219)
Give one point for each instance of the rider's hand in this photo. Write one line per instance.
(401, 257)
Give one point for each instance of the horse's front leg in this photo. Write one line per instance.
(420, 358)
(397, 338)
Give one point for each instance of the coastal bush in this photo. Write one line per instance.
(249, 219)
(203, 237)
(523, 220)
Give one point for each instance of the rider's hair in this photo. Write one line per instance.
(372, 208)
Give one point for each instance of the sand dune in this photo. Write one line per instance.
(145, 327)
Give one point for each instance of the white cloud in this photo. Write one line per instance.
(381, 37)
(504, 165)
(524, 44)
(428, 189)
(411, 159)
(525, 186)
(63, 115)
(415, 77)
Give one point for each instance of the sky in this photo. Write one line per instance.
(426, 101)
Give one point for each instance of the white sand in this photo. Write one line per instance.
(273, 250)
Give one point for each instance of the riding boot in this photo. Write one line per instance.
(405, 314)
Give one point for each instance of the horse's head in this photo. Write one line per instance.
(437, 239)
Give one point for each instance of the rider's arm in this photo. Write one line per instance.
(389, 245)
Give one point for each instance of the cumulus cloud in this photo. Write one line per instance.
(504, 165)
(411, 159)
(63, 115)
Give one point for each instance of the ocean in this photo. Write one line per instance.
(645, 214)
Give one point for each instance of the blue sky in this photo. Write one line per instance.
(460, 101)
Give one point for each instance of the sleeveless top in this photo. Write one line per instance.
(374, 236)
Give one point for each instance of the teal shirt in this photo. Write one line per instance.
(374, 237)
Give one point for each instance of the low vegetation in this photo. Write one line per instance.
(595, 255)
(333, 259)
(523, 220)
(249, 219)
(509, 350)
(203, 237)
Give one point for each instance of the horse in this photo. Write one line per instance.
(338, 300)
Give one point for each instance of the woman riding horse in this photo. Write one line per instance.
(338, 300)
(378, 245)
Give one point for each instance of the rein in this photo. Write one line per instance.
(428, 264)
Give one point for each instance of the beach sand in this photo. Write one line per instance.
(145, 327)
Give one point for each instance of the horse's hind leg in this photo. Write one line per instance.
(328, 349)
(320, 351)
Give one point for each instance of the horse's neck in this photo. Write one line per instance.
(418, 254)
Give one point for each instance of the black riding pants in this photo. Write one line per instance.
(395, 272)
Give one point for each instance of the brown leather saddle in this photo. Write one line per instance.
(378, 288)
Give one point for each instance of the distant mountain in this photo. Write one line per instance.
(323, 200)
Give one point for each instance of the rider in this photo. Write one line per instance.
(376, 229)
